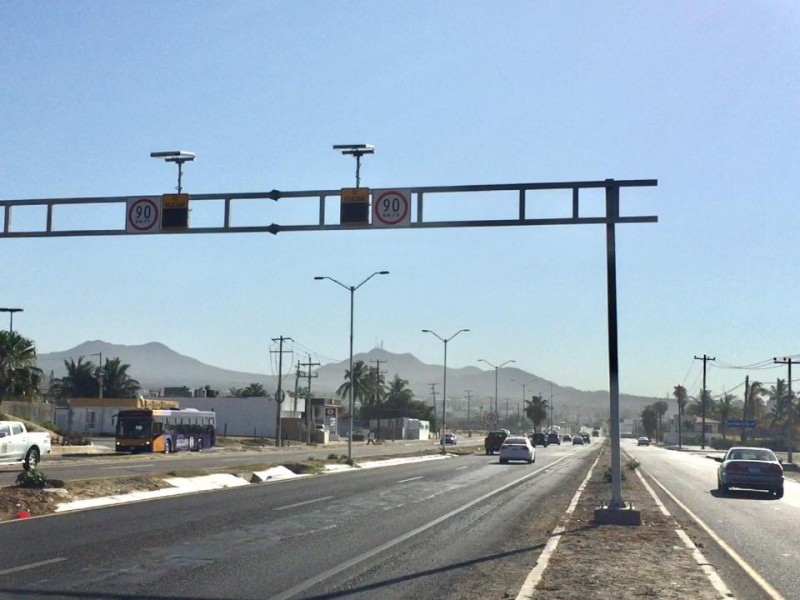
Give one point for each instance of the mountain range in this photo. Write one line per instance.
(157, 366)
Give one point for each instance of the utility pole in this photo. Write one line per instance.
(279, 392)
(787, 360)
(308, 374)
(433, 393)
(744, 412)
(469, 418)
(378, 362)
(705, 358)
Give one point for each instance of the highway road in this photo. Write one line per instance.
(763, 531)
(72, 467)
(449, 528)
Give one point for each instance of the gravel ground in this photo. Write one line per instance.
(606, 562)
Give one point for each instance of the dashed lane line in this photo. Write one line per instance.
(35, 565)
(296, 504)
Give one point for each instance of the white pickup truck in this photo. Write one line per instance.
(20, 446)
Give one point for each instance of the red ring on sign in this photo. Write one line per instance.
(132, 222)
(402, 216)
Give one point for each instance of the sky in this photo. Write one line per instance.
(702, 96)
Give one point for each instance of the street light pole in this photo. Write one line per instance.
(524, 385)
(100, 373)
(495, 367)
(352, 289)
(11, 312)
(444, 380)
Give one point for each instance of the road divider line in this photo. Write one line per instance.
(528, 588)
(35, 565)
(410, 479)
(710, 571)
(743, 564)
(348, 564)
(296, 504)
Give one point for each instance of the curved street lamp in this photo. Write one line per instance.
(352, 289)
(495, 367)
(444, 380)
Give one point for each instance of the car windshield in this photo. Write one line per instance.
(515, 441)
(751, 454)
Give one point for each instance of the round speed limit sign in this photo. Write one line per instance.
(143, 215)
(391, 208)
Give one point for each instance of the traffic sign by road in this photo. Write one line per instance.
(143, 215)
(354, 208)
(391, 208)
(491, 418)
(739, 423)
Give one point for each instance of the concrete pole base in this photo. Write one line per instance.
(617, 516)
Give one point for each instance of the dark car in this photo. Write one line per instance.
(752, 469)
(538, 439)
(577, 441)
(450, 439)
(494, 440)
(553, 438)
(586, 438)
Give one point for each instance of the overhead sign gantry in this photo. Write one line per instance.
(391, 208)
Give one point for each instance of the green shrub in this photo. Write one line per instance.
(607, 475)
(633, 464)
(32, 479)
(358, 437)
(333, 456)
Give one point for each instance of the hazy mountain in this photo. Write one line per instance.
(155, 366)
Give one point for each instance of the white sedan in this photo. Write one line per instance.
(517, 448)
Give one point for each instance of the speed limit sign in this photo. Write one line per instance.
(391, 208)
(143, 215)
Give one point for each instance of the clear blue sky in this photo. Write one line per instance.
(703, 96)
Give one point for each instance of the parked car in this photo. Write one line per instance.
(18, 446)
(517, 448)
(750, 468)
(567, 437)
(450, 439)
(494, 440)
(643, 441)
(553, 438)
(577, 441)
(538, 439)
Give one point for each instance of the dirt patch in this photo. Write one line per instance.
(619, 562)
(36, 502)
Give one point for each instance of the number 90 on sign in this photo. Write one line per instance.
(391, 208)
(143, 215)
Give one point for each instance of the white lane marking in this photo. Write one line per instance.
(461, 468)
(288, 506)
(348, 564)
(754, 575)
(123, 468)
(409, 479)
(32, 566)
(710, 572)
(528, 588)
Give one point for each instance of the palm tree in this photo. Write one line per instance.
(360, 381)
(784, 412)
(681, 397)
(79, 382)
(536, 410)
(253, 390)
(19, 375)
(725, 408)
(116, 381)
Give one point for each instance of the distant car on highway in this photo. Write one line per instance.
(750, 468)
(538, 439)
(553, 438)
(567, 437)
(586, 438)
(450, 439)
(494, 440)
(517, 448)
(577, 441)
(643, 441)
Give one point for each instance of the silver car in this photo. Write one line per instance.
(750, 468)
(517, 448)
